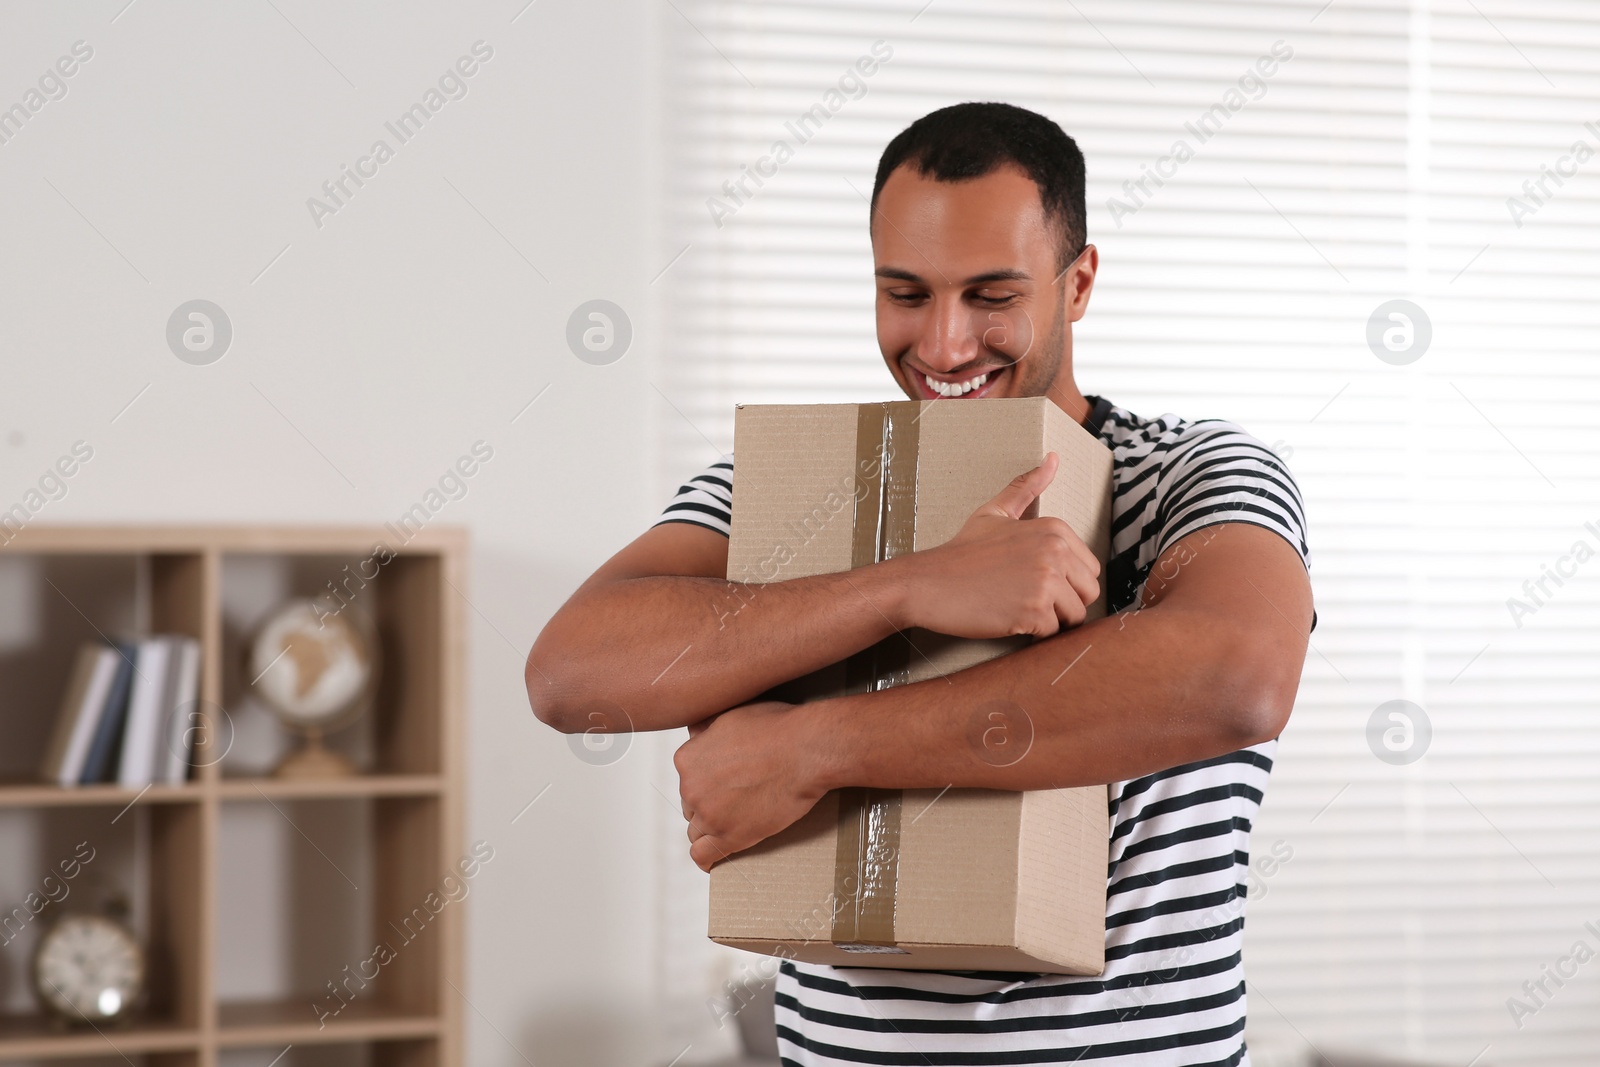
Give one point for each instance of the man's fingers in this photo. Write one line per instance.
(1082, 551)
(1014, 499)
(1069, 607)
(1071, 596)
(705, 853)
(1083, 585)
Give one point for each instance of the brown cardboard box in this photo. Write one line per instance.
(968, 879)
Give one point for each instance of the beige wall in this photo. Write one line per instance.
(364, 361)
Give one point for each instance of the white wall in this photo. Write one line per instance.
(375, 351)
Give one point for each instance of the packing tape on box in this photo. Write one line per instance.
(867, 859)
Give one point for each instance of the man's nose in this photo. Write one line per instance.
(950, 339)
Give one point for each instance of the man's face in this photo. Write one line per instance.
(969, 288)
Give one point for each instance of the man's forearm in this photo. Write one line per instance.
(668, 651)
(1111, 700)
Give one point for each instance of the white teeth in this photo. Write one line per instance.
(956, 388)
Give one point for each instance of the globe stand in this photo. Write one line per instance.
(311, 760)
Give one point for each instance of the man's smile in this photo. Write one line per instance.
(971, 385)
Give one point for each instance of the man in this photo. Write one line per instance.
(1176, 700)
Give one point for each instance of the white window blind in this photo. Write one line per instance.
(1375, 163)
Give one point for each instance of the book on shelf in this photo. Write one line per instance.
(125, 714)
(142, 733)
(182, 711)
(88, 691)
(102, 760)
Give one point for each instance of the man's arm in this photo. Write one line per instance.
(658, 639)
(1209, 665)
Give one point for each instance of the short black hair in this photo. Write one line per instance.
(965, 141)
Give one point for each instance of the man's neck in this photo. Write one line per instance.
(1068, 399)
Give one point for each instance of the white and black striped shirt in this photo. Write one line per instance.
(1173, 988)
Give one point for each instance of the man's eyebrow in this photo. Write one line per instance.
(1004, 275)
(999, 276)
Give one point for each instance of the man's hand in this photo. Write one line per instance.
(1003, 574)
(743, 775)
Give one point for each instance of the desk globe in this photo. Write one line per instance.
(317, 671)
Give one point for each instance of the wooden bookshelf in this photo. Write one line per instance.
(399, 821)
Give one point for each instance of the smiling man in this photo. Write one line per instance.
(1175, 700)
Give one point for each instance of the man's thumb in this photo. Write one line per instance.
(1014, 499)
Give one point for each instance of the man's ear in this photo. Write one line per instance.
(1079, 281)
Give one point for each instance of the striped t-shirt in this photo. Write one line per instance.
(1173, 988)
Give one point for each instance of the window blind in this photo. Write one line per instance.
(1426, 903)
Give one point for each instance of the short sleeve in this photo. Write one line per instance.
(705, 499)
(1216, 472)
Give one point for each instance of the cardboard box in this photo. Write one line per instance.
(966, 879)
